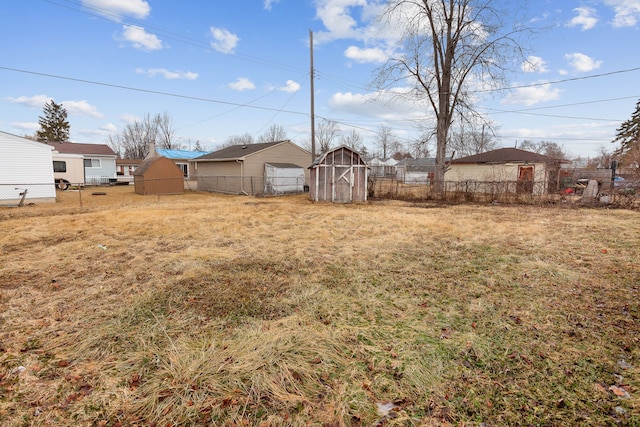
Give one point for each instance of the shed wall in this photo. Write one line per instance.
(340, 177)
(507, 172)
(227, 168)
(162, 176)
(282, 153)
(283, 180)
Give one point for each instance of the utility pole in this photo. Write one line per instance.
(313, 116)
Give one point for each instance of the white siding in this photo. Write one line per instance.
(492, 172)
(25, 164)
(283, 179)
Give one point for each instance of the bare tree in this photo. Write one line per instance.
(386, 142)
(273, 134)
(445, 45)
(244, 139)
(547, 148)
(419, 147)
(166, 133)
(603, 160)
(467, 142)
(134, 140)
(326, 132)
(353, 140)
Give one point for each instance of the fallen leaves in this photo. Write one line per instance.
(134, 381)
(619, 391)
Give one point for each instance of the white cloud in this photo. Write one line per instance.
(581, 62)
(129, 118)
(627, 12)
(532, 95)
(76, 108)
(109, 127)
(223, 40)
(27, 127)
(534, 64)
(242, 83)
(81, 108)
(290, 87)
(381, 105)
(140, 38)
(337, 19)
(36, 101)
(169, 75)
(269, 3)
(116, 8)
(585, 18)
(365, 55)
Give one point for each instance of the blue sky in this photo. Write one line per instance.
(228, 68)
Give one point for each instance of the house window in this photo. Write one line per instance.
(92, 163)
(59, 166)
(184, 168)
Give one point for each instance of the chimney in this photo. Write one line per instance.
(152, 150)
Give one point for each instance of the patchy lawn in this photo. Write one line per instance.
(203, 309)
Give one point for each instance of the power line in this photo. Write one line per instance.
(592, 76)
(154, 92)
(573, 104)
(557, 116)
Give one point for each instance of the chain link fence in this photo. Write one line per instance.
(252, 185)
(507, 192)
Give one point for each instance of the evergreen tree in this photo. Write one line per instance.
(628, 134)
(54, 126)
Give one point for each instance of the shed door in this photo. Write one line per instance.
(342, 184)
(525, 180)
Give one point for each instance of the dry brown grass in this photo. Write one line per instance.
(204, 309)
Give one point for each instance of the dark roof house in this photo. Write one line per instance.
(506, 155)
(240, 169)
(520, 171)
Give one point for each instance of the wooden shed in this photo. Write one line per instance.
(339, 176)
(158, 175)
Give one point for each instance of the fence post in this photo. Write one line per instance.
(80, 195)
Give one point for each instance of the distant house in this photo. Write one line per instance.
(99, 160)
(526, 171)
(125, 169)
(339, 176)
(181, 158)
(158, 175)
(382, 167)
(241, 169)
(416, 171)
(26, 173)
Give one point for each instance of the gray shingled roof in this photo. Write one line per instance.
(504, 155)
(76, 148)
(238, 151)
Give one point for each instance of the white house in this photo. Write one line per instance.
(26, 171)
(99, 160)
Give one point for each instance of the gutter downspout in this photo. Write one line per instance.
(242, 177)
